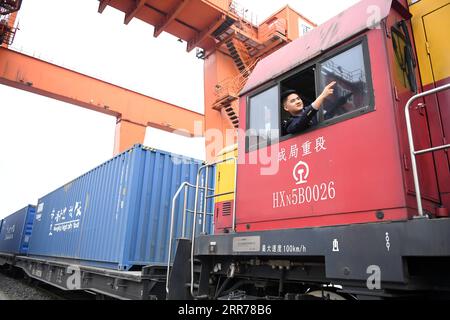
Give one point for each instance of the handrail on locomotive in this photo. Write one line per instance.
(205, 189)
(414, 152)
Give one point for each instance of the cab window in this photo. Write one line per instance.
(350, 69)
(353, 95)
(263, 118)
(351, 91)
(404, 60)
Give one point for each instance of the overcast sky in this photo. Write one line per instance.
(45, 143)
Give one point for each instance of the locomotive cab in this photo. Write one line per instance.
(333, 208)
(352, 164)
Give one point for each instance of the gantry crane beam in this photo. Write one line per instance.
(169, 18)
(230, 39)
(134, 111)
(230, 42)
(134, 10)
(102, 5)
(189, 20)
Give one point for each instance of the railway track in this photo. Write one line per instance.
(15, 285)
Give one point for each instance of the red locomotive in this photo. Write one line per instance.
(347, 201)
(354, 165)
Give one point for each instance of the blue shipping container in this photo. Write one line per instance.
(117, 215)
(16, 230)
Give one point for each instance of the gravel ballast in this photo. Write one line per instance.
(17, 289)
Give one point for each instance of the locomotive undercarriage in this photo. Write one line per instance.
(307, 281)
(404, 259)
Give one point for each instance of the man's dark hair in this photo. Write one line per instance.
(285, 94)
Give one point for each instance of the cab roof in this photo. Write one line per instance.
(361, 16)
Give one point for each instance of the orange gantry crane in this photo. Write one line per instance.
(225, 35)
(8, 13)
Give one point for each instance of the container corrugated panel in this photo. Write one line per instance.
(16, 230)
(117, 215)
